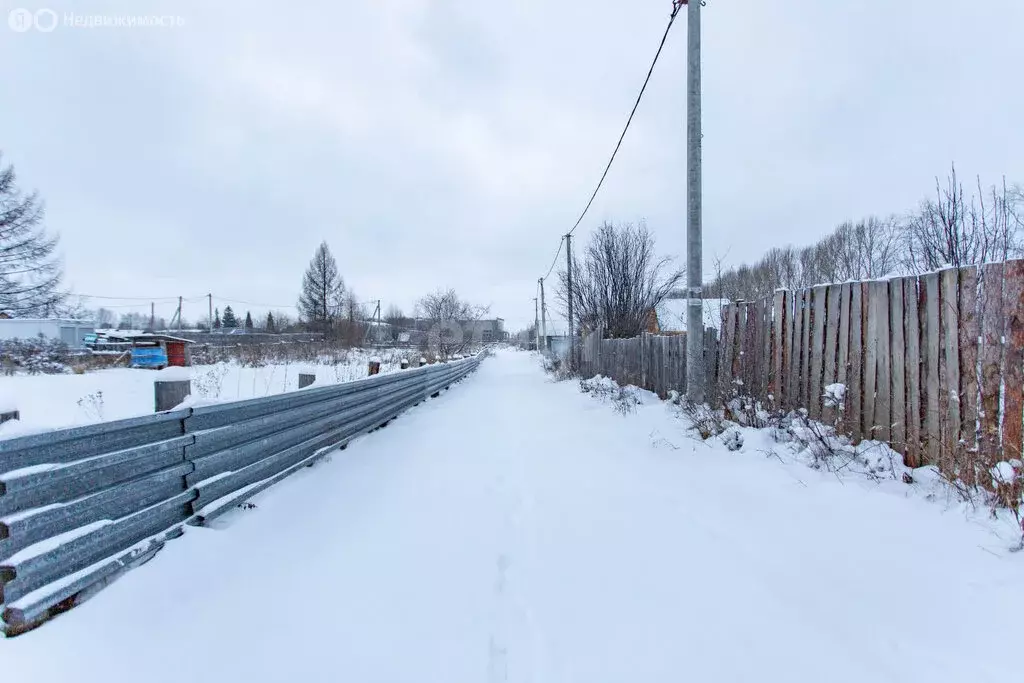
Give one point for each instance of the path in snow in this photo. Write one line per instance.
(517, 530)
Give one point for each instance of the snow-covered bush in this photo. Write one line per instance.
(624, 399)
(34, 356)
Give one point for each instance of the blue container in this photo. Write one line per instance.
(149, 357)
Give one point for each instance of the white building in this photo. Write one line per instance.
(71, 332)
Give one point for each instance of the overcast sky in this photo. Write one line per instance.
(449, 143)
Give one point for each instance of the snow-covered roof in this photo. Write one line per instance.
(672, 314)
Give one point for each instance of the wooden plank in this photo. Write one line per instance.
(871, 360)
(970, 332)
(912, 370)
(818, 300)
(757, 350)
(763, 336)
(725, 352)
(855, 379)
(791, 358)
(751, 352)
(990, 360)
(949, 379)
(930, 345)
(805, 348)
(1013, 357)
(710, 364)
(739, 368)
(897, 364)
(843, 352)
(831, 349)
(767, 366)
(778, 384)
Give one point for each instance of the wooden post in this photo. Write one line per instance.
(169, 394)
(305, 379)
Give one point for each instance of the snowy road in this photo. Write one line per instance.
(517, 530)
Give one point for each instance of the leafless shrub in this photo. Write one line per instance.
(618, 281)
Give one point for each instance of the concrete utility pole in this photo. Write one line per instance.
(694, 247)
(537, 327)
(568, 282)
(210, 297)
(179, 315)
(543, 317)
(152, 316)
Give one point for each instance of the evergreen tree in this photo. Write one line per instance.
(30, 268)
(271, 325)
(248, 321)
(216, 319)
(322, 290)
(230, 321)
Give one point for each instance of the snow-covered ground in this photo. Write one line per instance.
(516, 529)
(66, 400)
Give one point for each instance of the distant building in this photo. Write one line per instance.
(71, 332)
(485, 331)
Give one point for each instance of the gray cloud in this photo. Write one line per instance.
(450, 143)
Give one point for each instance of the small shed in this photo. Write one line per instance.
(160, 351)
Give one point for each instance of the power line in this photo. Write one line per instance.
(675, 11)
(676, 6)
(555, 260)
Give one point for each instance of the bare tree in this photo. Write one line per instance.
(323, 290)
(618, 282)
(958, 230)
(30, 272)
(450, 321)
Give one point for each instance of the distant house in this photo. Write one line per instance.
(669, 317)
(485, 331)
(71, 332)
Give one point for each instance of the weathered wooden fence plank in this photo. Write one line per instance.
(711, 365)
(767, 367)
(912, 342)
(855, 380)
(970, 332)
(843, 352)
(883, 371)
(805, 348)
(791, 359)
(818, 299)
(930, 346)
(990, 360)
(871, 360)
(1013, 358)
(831, 350)
(779, 319)
(897, 366)
(949, 380)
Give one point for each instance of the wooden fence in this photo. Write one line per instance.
(932, 364)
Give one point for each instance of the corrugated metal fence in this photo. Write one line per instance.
(932, 364)
(80, 506)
